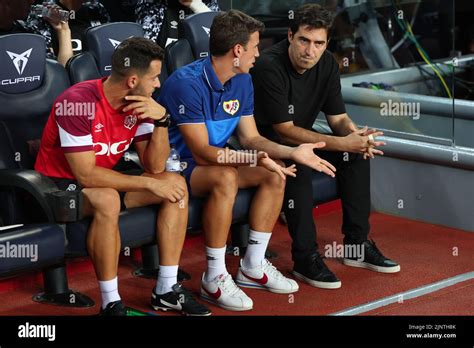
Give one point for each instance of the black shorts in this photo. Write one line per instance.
(72, 185)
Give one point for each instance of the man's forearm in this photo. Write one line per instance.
(157, 151)
(65, 46)
(103, 177)
(345, 127)
(273, 149)
(297, 136)
(212, 155)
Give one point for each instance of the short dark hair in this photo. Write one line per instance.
(313, 15)
(135, 54)
(231, 28)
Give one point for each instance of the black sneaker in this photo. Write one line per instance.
(179, 299)
(115, 308)
(315, 272)
(372, 258)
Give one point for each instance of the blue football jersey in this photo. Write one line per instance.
(194, 95)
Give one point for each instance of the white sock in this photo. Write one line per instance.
(167, 277)
(258, 242)
(215, 262)
(109, 291)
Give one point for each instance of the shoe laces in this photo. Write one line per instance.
(271, 270)
(374, 251)
(318, 261)
(187, 298)
(227, 284)
(179, 290)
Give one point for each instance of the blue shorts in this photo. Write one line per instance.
(187, 167)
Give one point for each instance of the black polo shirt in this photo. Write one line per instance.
(282, 94)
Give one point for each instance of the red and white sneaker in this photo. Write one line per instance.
(267, 277)
(223, 292)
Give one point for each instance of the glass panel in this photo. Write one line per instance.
(395, 65)
(463, 74)
(395, 59)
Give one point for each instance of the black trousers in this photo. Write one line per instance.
(353, 178)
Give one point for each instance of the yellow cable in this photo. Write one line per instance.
(431, 65)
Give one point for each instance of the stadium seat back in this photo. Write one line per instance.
(196, 29)
(99, 45)
(193, 43)
(178, 54)
(29, 84)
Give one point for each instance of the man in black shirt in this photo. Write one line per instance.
(295, 80)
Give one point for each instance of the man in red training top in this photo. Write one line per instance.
(91, 126)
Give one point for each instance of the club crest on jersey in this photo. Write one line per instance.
(130, 121)
(231, 106)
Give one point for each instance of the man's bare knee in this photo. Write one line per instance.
(105, 201)
(275, 181)
(227, 182)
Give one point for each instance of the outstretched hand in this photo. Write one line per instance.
(266, 162)
(304, 154)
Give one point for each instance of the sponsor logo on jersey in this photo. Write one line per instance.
(111, 149)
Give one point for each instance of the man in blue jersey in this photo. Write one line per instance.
(208, 100)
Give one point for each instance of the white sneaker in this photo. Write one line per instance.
(265, 276)
(223, 292)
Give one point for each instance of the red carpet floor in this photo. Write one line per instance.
(424, 251)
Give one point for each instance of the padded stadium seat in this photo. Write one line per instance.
(195, 29)
(30, 247)
(193, 42)
(29, 84)
(100, 43)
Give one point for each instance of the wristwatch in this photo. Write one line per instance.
(164, 121)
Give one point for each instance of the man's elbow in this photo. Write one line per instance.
(86, 181)
(154, 169)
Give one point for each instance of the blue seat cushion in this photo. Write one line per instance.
(30, 248)
(137, 227)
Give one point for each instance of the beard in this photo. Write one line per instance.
(139, 90)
